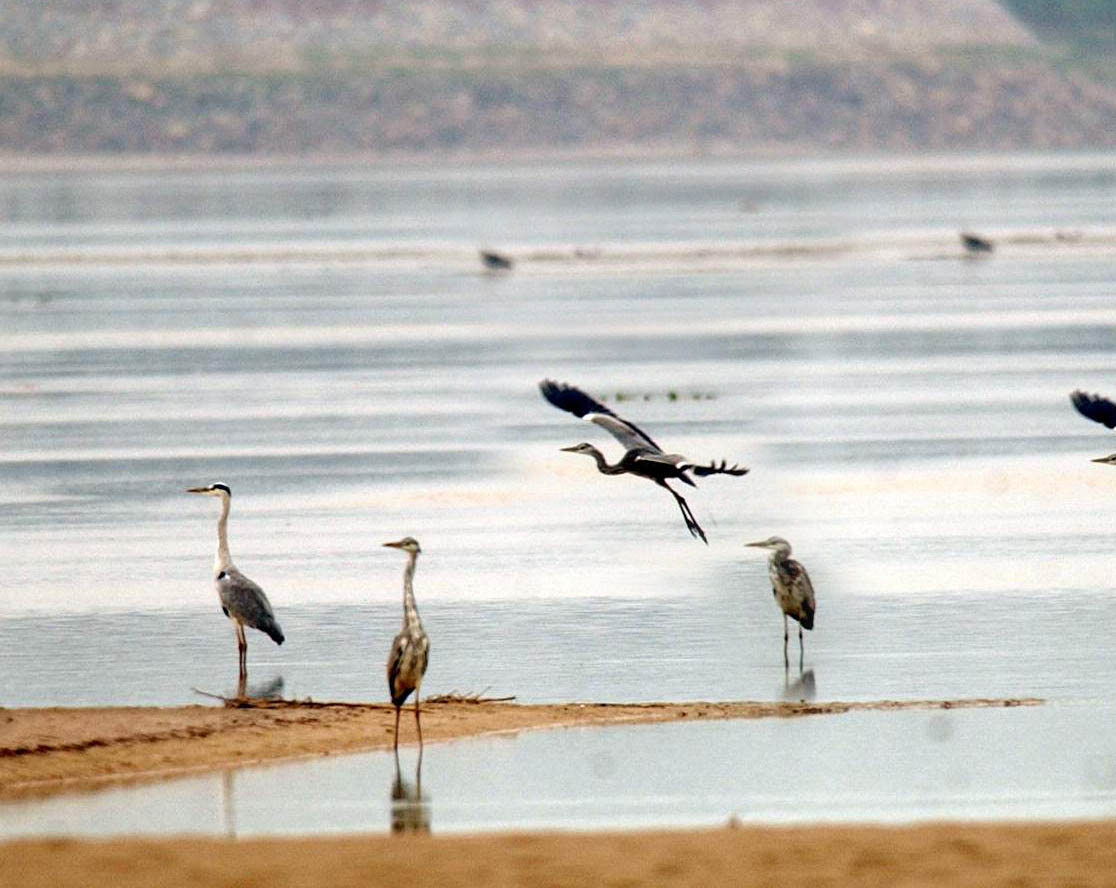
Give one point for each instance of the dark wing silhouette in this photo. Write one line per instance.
(1095, 407)
(574, 400)
(713, 469)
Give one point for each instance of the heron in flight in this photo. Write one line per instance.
(410, 651)
(1098, 409)
(642, 457)
(242, 600)
(794, 593)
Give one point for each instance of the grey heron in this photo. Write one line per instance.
(410, 651)
(794, 593)
(1098, 409)
(642, 457)
(243, 601)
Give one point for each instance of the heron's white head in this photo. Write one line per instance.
(772, 544)
(1107, 460)
(407, 544)
(217, 489)
(583, 447)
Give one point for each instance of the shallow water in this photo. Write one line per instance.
(1046, 762)
(325, 342)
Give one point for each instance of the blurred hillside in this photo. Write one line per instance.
(450, 76)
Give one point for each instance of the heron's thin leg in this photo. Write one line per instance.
(418, 723)
(397, 729)
(242, 647)
(786, 636)
(688, 516)
(801, 649)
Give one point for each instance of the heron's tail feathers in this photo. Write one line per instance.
(273, 631)
(723, 469)
(806, 620)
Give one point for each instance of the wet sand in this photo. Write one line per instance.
(46, 751)
(987, 855)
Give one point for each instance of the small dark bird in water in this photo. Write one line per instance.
(242, 600)
(794, 593)
(974, 243)
(1098, 409)
(410, 651)
(643, 457)
(496, 261)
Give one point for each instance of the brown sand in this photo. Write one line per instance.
(988, 856)
(45, 751)
(51, 750)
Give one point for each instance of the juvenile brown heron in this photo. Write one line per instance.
(794, 593)
(1097, 409)
(643, 457)
(242, 600)
(410, 650)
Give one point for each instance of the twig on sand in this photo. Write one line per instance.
(308, 703)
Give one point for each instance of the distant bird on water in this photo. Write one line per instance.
(410, 651)
(643, 457)
(495, 261)
(974, 243)
(242, 600)
(794, 593)
(1098, 409)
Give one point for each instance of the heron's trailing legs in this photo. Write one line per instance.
(691, 522)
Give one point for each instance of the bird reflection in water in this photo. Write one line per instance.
(802, 689)
(272, 689)
(410, 809)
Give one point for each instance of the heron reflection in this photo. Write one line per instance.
(410, 809)
(802, 690)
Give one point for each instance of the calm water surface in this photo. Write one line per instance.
(325, 342)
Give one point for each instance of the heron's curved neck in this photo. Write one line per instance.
(411, 621)
(779, 555)
(602, 464)
(223, 561)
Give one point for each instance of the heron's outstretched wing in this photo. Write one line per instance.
(246, 602)
(574, 400)
(1095, 407)
(713, 469)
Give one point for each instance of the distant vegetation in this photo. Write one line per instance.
(681, 77)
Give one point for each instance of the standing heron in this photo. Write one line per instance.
(1098, 409)
(410, 651)
(794, 593)
(643, 457)
(242, 600)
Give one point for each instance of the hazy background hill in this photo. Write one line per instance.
(524, 76)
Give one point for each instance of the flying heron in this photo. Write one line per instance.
(794, 593)
(496, 261)
(643, 457)
(242, 600)
(410, 651)
(1098, 409)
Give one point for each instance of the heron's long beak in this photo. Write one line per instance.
(1110, 460)
(570, 449)
(197, 490)
(398, 544)
(758, 544)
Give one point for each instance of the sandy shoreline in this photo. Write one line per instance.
(47, 751)
(986, 855)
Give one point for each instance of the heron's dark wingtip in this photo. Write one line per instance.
(1094, 407)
